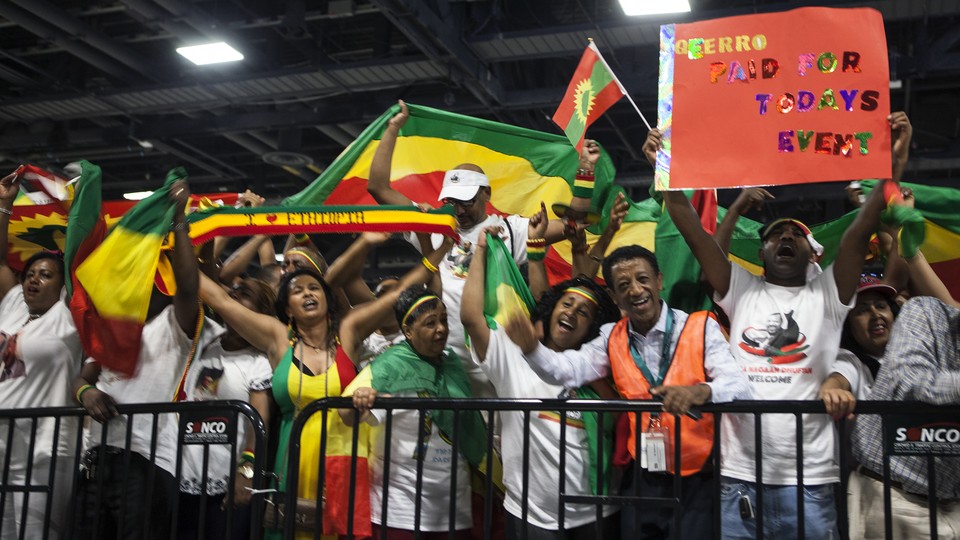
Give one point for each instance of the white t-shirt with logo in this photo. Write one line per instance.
(49, 356)
(453, 274)
(513, 378)
(164, 349)
(786, 341)
(219, 375)
(401, 496)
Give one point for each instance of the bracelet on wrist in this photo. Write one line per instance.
(178, 226)
(81, 391)
(6, 211)
(247, 456)
(429, 266)
(585, 172)
(536, 242)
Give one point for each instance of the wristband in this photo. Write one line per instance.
(583, 184)
(429, 266)
(302, 238)
(536, 242)
(81, 390)
(180, 226)
(535, 253)
(6, 211)
(247, 456)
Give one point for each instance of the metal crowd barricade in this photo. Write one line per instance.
(606, 410)
(18, 486)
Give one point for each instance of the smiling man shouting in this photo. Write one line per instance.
(653, 352)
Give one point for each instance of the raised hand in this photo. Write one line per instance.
(653, 143)
(751, 199)
(589, 155)
(538, 223)
(401, 117)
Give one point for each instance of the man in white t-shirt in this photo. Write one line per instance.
(785, 332)
(467, 189)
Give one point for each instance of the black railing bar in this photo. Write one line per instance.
(52, 476)
(622, 500)
(387, 437)
(562, 473)
(28, 478)
(127, 456)
(151, 473)
(352, 485)
(758, 480)
(932, 495)
(801, 517)
(715, 456)
(677, 470)
(454, 446)
(421, 458)
(6, 472)
(525, 489)
(488, 478)
(757, 406)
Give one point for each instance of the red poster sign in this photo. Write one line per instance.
(782, 98)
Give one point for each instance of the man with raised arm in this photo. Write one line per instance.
(467, 189)
(785, 333)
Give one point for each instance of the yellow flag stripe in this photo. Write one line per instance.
(119, 294)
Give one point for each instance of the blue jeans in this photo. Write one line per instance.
(779, 511)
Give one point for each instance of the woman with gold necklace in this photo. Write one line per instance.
(312, 361)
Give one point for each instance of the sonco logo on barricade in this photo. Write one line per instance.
(929, 434)
(206, 430)
(927, 438)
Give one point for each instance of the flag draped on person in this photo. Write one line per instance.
(113, 279)
(592, 90)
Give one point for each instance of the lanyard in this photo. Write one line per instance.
(665, 358)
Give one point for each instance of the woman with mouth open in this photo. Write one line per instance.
(40, 353)
(314, 357)
(570, 313)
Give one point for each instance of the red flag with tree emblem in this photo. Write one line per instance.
(593, 89)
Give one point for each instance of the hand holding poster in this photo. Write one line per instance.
(781, 98)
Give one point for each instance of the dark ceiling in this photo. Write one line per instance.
(101, 80)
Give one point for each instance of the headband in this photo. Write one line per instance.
(306, 254)
(420, 301)
(584, 293)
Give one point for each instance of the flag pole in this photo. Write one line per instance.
(617, 79)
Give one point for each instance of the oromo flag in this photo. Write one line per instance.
(592, 90)
(505, 292)
(524, 166)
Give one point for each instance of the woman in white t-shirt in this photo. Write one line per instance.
(40, 353)
(571, 314)
(227, 369)
(422, 454)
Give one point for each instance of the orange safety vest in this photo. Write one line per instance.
(686, 369)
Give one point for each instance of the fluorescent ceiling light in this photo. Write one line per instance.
(654, 7)
(211, 53)
(137, 195)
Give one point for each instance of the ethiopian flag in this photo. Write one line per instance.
(505, 291)
(113, 281)
(524, 166)
(592, 90)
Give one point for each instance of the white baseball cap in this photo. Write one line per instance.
(462, 184)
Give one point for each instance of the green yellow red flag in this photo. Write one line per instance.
(117, 277)
(524, 166)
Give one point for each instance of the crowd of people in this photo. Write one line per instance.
(281, 336)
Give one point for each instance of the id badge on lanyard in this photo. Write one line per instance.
(655, 446)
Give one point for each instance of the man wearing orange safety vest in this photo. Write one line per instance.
(654, 352)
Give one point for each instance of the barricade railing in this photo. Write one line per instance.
(44, 483)
(909, 416)
(85, 486)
